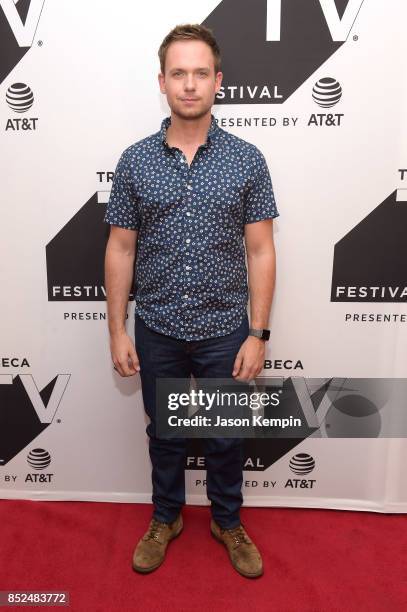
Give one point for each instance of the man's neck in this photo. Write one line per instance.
(188, 132)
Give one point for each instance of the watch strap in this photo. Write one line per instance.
(264, 334)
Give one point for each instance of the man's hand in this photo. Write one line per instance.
(249, 361)
(124, 354)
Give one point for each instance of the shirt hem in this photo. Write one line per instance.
(160, 331)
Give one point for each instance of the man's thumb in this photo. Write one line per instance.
(134, 360)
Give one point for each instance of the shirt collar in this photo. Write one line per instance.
(212, 132)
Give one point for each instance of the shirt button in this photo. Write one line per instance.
(188, 267)
(188, 214)
(185, 296)
(188, 240)
(189, 187)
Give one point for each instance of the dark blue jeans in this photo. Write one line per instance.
(167, 357)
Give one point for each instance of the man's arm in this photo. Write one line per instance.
(119, 266)
(261, 267)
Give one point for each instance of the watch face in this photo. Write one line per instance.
(266, 334)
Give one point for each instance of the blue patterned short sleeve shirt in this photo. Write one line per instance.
(191, 275)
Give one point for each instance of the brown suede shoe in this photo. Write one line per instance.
(150, 550)
(243, 553)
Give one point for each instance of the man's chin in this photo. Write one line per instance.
(190, 113)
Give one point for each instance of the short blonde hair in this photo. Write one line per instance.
(190, 31)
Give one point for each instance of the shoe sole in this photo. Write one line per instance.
(147, 570)
(245, 574)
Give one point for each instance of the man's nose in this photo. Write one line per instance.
(189, 82)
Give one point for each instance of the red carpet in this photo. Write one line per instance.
(314, 560)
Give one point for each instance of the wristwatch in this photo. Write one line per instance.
(263, 334)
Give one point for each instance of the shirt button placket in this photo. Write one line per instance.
(182, 166)
(188, 239)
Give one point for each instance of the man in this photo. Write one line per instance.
(191, 197)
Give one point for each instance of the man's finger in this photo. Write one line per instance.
(118, 369)
(127, 368)
(237, 364)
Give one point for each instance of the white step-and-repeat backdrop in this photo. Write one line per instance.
(320, 87)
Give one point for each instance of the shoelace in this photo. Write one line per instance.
(154, 529)
(238, 534)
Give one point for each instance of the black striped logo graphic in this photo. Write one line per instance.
(327, 92)
(302, 464)
(39, 459)
(19, 97)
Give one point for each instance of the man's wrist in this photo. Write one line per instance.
(117, 331)
(257, 340)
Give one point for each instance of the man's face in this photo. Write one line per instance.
(190, 82)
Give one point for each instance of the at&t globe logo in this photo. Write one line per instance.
(327, 92)
(19, 97)
(39, 459)
(302, 464)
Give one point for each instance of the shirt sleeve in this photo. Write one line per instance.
(122, 208)
(259, 202)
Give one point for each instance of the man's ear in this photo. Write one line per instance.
(161, 82)
(218, 78)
